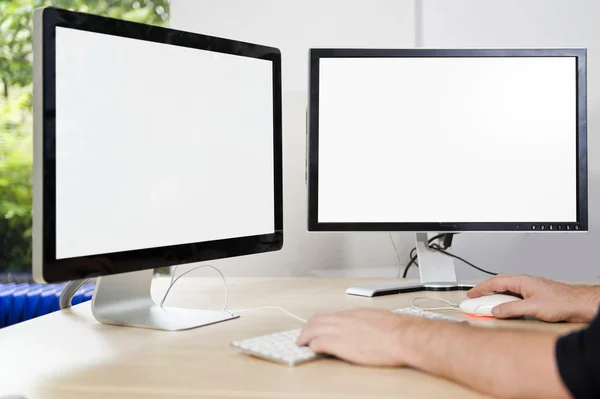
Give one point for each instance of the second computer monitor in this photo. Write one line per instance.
(153, 147)
(447, 140)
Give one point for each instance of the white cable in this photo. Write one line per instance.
(174, 280)
(272, 307)
(451, 307)
(69, 291)
(173, 275)
(397, 255)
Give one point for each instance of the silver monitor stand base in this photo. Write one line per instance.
(125, 300)
(436, 271)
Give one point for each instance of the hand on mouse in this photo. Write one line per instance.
(542, 298)
(367, 336)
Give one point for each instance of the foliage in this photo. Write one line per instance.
(15, 180)
(16, 127)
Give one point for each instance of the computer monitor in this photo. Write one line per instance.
(153, 147)
(446, 140)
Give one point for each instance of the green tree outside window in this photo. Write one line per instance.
(16, 121)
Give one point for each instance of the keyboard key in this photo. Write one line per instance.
(278, 347)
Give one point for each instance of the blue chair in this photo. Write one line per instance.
(55, 304)
(45, 302)
(31, 303)
(6, 301)
(15, 313)
(78, 296)
(89, 286)
(21, 302)
(87, 296)
(6, 286)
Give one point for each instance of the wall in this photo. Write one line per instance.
(294, 27)
(531, 23)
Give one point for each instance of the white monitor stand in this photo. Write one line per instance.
(435, 268)
(125, 300)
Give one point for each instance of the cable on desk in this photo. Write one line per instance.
(270, 307)
(174, 280)
(451, 307)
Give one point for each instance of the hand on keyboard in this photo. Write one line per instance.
(282, 347)
(368, 337)
(279, 347)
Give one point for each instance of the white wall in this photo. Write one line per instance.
(294, 27)
(531, 23)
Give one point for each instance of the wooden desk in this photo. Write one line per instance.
(69, 355)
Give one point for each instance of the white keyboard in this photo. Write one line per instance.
(430, 315)
(279, 347)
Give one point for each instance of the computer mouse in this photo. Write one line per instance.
(483, 305)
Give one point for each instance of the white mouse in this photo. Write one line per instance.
(483, 305)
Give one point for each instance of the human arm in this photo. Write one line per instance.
(577, 355)
(507, 364)
(545, 299)
(502, 363)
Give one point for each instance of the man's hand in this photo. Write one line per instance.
(368, 337)
(545, 299)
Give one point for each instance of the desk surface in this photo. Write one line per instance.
(68, 354)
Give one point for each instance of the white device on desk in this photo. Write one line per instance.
(281, 347)
(153, 147)
(483, 305)
(446, 140)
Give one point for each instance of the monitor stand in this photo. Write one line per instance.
(125, 300)
(436, 270)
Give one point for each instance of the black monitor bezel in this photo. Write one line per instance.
(54, 270)
(581, 224)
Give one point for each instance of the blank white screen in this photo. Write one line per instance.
(159, 145)
(447, 140)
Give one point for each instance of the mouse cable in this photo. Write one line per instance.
(300, 319)
(452, 306)
(174, 280)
